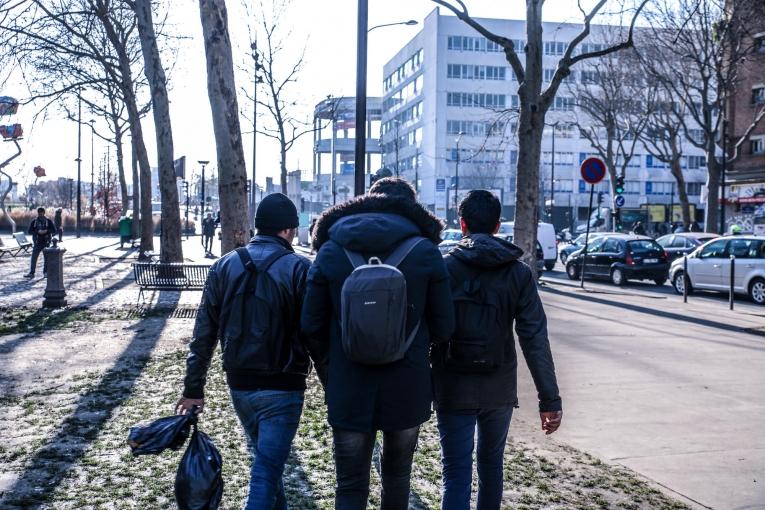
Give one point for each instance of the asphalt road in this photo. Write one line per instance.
(670, 390)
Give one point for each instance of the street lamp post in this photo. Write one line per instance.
(457, 173)
(92, 155)
(361, 92)
(202, 206)
(79, 161)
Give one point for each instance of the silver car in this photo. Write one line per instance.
(709, 267)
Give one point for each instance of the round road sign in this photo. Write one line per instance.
(619, 201)
(593, 170)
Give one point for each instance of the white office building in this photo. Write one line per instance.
(449, 79)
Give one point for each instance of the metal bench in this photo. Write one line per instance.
(11, 250)
(22, 241)
(169, 276)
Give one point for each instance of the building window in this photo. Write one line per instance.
(464, 43)
(696, 162)
(693, 188)
(589, 77)
(475, 100)
(549, 73)
(590, 47)
(470, 72)
(561, 158)
(475, 128)
(758, 94)
(759, 43)
(563, 104)
(697, 135)
(519, 45)
(654, 162)
(565, 130)
(555, 48)
(757, 145)
(659, 188)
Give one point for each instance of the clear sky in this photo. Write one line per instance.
(327, 29)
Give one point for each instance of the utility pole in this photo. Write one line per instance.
(457, 174)
(108, 185)
(79, 161)
(722, 175)
(92, 164)
(202, 206)
(361, 97)
(257, 79)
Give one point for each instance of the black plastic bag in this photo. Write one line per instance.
(157, 436)
(199, 482)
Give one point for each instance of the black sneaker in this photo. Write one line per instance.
(29, 275)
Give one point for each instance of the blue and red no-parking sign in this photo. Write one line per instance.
(593, 170)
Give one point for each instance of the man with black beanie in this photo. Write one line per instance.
(252, 300)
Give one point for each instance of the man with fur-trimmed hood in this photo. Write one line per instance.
(394, 398)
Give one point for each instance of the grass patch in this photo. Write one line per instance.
(26, 320)
(108, 476)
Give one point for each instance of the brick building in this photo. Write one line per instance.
(745, 181)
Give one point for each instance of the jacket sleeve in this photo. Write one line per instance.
(204, 340)
(531, 327)
(439, 310)
(315, 317)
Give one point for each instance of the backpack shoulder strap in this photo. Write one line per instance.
(354, 258)
(251, 266)
(403, 250)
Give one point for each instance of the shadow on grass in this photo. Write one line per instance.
(53, 461)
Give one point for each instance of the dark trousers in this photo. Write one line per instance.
(207, 241)
(457, 433)
(270, 420)
(353, 460)
(36, 250)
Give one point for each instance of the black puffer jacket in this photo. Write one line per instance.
(459, 391)
(398, 395)
(250, 365)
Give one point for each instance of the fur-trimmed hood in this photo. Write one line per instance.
(429, 226)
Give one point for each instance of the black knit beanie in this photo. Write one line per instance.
(276, 212)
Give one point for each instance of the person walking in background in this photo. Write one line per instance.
(126, 230)
(58, 221)
(208, 232)
(474, 374)
(638, 229)
(364, 393)
(41, 229)
(252, 301)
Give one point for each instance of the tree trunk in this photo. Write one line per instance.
(136, 232)
(711, 216)
(283, 169)
(121, 168)
(221, 89)
(2, 202)
(682, 192)
(527, 186)
(171, 249)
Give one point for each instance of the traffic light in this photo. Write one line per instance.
(619, 185)
(600, 197)
(186, 188)
(247, 186)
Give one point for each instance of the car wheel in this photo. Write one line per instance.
(617, 277)
(563, 258)
(660, 281)
(757, 291)
(550, 265)
(678, 283)
(572, 272)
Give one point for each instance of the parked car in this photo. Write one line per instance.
(709, 267)
(545, 237)
(578, 243)
(621, 258)
(540, 252)
(450, 236)
(679, 244)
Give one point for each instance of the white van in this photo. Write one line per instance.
(545, 236)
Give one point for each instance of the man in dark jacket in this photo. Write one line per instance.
(41, 229)
(395, 397)
(485, 272)
(208, 232)
(252, 300)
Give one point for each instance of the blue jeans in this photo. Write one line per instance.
(457, 433)
(270, 420)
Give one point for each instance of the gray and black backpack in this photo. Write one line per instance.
(373, 308)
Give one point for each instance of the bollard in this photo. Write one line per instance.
(55, 294)
(732, 278)
(686, 280)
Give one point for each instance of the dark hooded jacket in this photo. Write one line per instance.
(459, 391)
(398, 395)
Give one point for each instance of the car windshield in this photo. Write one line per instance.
(645, 246)
(451, 235)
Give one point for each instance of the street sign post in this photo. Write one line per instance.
(619, 201)
(593, 171)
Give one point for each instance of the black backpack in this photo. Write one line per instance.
(478, 342)
(260, 310)
(373, 308)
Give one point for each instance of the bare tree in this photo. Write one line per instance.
(221, 89)
(694, 51)
(278, 76)
(171, 249)
(534, 101)
(611, 100)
